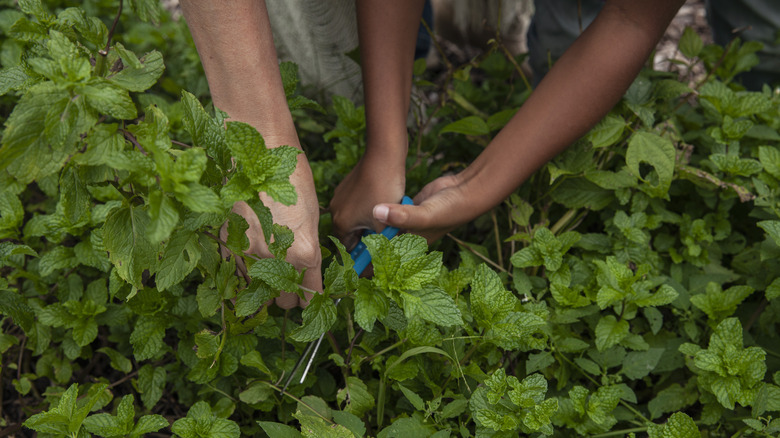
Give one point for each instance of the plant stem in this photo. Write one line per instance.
(485, 259)
(123, 379)
(381, 352)
(619, 432)
(498, 238)
(563, 221)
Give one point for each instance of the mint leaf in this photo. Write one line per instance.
(471, 125)
(180, 257)
(151, 383)
(432, 304)
(200, 421)
(277, 430)
(141, 76)
(276, 273)
(124, 237)
(147, 336)
(357, 397)
(109, 99)
(255, 295)
(610, 331)
(490, 301)
(639, 364)
(370, 304)
(658, 152)
(318, 317)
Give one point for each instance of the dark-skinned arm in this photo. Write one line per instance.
(388, 33)
(587, 81)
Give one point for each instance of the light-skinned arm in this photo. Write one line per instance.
(585, 83)
(388, 33)
(236, 47)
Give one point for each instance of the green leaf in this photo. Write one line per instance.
(607, 132)
(148, 424)
(770, 159)
(163, 216)
(690, 43)
(147, 336)
(255, 295)
(277, 430)
(432, 304)
(471, 125)
(180, 257)
(413, 398)
(658, 152)
(207, 343)
(318, 317)
(639, 364)
(276, 273)
(316, 427)
(256, 392)
(581, 193)
(140, 77)
(124, 237)
(356, 396)
(255, 360)
(13, 305)
(370, 304)
(110, 100)
(151, 383)
(118, 360)
(414, 352)
(680, 425)
(351, 422)
(237, 239)
(406, 427)
(610, 331)
(772, 229)
(490, 302)
(773, 290)
(200, 421)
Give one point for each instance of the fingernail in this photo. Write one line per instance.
(381, 212)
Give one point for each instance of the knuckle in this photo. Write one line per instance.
(305, 252)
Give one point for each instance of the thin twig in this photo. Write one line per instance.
(124, 379)
(129, 136)
(19, 362)
(104, 52)
(499, 248)
(178, 143)
(476, 253)
(352, 345)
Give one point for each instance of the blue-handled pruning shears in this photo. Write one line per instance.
(362, 258)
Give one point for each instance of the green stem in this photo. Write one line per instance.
(380, 403)
(563, 221)
(381, 352)
(498, 238)
(619, 432)
(215, 389)
(224, 337)
(476, 253)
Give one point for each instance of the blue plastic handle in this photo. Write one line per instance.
(360, 255)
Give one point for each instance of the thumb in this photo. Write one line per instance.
(406, 217)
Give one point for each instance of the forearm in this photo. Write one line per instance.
(388, 32)
(236, 48)
(579, 90)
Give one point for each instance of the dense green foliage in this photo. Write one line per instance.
(629, 287)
